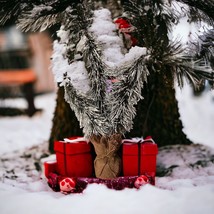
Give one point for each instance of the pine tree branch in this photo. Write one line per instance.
(205, 46)
(77, 23)
(183, 64)
(30, 22)
(206, 7)
(91, 119)
(80, 16)
(96, 69)
(91, 54)
(152, 21)
(33, 15)
(12, 9)
(93, 116)
(125, 94)
(45, 15)
(193, 70)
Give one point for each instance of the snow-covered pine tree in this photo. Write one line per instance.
(161, 118)
(102, 80)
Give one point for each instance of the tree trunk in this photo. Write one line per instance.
(157, 114)
(65, 123)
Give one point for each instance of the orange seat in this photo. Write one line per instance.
(17, 76)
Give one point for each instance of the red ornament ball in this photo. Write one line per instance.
(141, 181)
(67, 185)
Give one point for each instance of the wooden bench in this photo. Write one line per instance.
(17, 76)
(23, 78)
(14, 71)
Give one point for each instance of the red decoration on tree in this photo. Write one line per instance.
(126, 28)
(123, 24)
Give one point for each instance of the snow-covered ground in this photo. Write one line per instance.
(197, 113)
(186, 173)
(23, 132)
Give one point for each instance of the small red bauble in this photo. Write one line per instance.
(141, 181)
(67, 185)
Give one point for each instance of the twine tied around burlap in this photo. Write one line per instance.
(107, 164)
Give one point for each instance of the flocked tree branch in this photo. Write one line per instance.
(12, 9)
(199, 8)
(126, 93)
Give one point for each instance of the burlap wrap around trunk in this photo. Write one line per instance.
(107, 163)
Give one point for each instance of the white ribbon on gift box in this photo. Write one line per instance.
(137, 140)
(66, 140)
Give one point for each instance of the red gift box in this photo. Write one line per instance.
(74, 159)
(50, 167)
(139, 158)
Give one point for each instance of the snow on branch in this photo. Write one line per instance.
(108, 106)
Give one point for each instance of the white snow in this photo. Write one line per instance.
(98, 199)
(134, 53)
(59, 64)
(102, 23)
(104, 30)
(22, 132)
(76, 71)
(197, 115)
